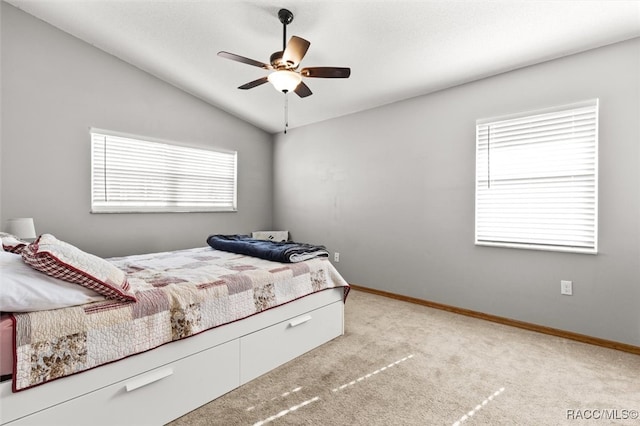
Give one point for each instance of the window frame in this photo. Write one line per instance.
(101, 205)
(592, 224)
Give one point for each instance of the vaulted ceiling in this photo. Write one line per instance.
(395, 49)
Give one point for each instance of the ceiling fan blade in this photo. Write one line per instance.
(303, 90)
(254, 83)
(326, 72)
(244, 60)
(295, 51)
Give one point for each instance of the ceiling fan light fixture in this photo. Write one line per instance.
(285, 80)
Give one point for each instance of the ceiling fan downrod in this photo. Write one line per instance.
(286, 17)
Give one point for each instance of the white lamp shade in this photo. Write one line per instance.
(22, 227)
(285, 81)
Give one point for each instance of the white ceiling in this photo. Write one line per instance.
(395, 49)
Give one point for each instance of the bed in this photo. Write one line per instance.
(181, 329)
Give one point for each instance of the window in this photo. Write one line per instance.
(136, 175)
(537, 179)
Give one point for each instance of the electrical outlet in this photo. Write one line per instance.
(566, 287)
(336, 257)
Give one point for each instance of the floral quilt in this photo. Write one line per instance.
(179, 294)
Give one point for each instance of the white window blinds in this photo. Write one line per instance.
(536, 179)
(134, 175)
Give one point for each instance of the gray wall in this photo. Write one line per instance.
(54, 88)
(392, 189)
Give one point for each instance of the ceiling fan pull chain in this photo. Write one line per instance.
(286, 112)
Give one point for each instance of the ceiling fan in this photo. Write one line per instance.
(284, 64)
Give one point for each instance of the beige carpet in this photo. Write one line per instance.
(405, 364)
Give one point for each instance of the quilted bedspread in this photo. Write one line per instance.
(179, 294)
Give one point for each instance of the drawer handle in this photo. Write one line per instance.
(148, 379)
(296, 322)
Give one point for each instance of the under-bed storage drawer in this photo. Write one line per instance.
(165, 393)
(270, 347)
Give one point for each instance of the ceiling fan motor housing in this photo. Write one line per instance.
(278, 63)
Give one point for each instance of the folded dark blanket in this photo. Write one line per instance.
(277, 251)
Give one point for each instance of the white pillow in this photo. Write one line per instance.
(23, 289)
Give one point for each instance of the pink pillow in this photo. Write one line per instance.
(66, 262)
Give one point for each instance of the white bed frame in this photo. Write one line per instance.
(165, 383)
